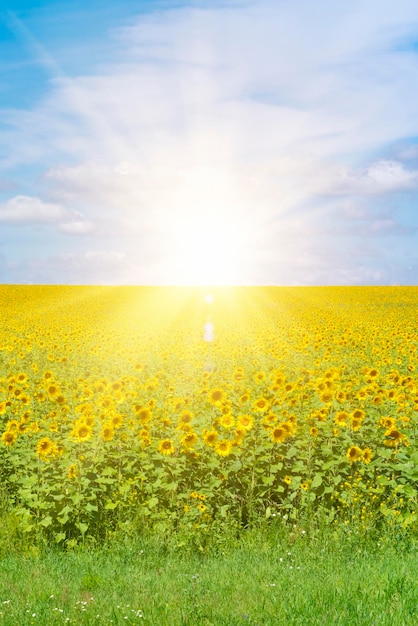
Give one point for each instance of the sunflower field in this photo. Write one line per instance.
(186, 408)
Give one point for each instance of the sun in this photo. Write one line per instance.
(209, 250)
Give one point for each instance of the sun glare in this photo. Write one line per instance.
(207, 251)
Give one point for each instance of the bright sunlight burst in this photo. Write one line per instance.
(208, 250)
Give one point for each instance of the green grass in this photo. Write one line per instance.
(264, 577)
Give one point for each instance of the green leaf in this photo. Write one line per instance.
(109, 506)
(329, 465)
(298, 466)
(27, 528)
(224, 510)
(46, 521)
(292, 452)
(409, 491)
(317, 481)
(171, 486)
(107, 471)
(82, 527)
(29, 481)
(58, 497)
(101, 480)
(65, 511)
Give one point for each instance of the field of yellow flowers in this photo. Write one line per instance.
(183, 407)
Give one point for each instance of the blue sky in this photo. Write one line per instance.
(240, 142)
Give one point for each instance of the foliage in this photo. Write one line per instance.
(117, 415)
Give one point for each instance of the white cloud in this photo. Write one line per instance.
(26, 209)
(381, 177)
(391, 175)
(21, 210)
(76, 228)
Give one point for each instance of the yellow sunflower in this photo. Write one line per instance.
(223, 447)
(72, 471)
(387, 422)
(144, 415)
(185, 420)
(108, 432)
(227, 421)
(245, 421)
(367, 455)
(46, 448)
(189, 440)
(327, 397)
(82, 432)
(395, 438)
(269, 421)
(217, 396)
(341, 396)
(259, 377)
(53, 391)
(279, 434)
(166, 447)
(355, 424)
(9, 437)
(341, 418)
(210, 437)
(354, 453)
(261, 405)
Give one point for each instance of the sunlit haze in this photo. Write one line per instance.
(209, 143)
